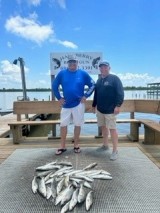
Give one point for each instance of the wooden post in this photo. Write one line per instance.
(149, 135)
(54, 135)
(16, 133)
(134, 130)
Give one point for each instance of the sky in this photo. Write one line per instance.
(127, 32)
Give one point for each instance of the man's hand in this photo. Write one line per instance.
(61, 102)
(116, 110)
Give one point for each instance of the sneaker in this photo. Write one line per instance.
(103, 148)
(114, 155)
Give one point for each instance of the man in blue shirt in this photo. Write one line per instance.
(72, 99)
(108, 98)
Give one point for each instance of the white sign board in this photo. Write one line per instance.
(87, 61)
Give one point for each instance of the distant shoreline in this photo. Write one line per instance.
(49, 90)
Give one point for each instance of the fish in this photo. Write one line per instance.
(86, 184)
(67, 195)
(102, 177)
(89, 200)
(76, 179)
(90, 166)
(42, 173)
(54, 188)
(48, 167)
(66, 180)
(34, 185)
(81, 194)
(48, 192)
(95, 62)
(65, 185)
(74, 200)
(57, 63)
(61, 171)
(89, 179)
(75, 184)
(60, 185)
(105, 172)
(65, 208)
(61, 194)
(48, 176)
(42, 187)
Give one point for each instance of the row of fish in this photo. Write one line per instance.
(66, 186)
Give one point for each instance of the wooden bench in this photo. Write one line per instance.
(151, 131)
(151, 128)
(52, 107)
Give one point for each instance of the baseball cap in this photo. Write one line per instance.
(105, 63)
(72, 58)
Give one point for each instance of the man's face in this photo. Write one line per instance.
(72, 65)
(104, 70)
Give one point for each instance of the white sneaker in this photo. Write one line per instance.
(114, 155)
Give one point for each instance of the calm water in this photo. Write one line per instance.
(7, 99)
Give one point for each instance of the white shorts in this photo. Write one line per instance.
(75, 115)
(108, 120)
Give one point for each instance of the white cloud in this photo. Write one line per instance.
(62, 3)
(10, 73)
(137, 79)
(30, 2)
(34, 2)
(68, 44)
(29, 29)
(9, 44)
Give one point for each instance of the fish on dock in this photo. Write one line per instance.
(66, 186)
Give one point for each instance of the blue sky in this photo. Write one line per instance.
(127, 32)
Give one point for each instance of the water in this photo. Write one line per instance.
(7, 99)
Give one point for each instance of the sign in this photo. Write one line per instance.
(87, 61)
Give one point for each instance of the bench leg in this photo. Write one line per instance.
(134, 132)
(151, 136)
(17, 134)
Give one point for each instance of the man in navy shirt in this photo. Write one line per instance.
(108, 98)
(72, 99)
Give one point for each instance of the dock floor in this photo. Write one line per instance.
(134, 187)
(7, 147)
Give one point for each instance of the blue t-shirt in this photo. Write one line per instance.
(73, 84)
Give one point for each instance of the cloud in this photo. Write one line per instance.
(62, 3)
(68, 44)
(29, 28)
(137, 79)
(9, 44)
(30, 2)
(10, 73)
(34, 2)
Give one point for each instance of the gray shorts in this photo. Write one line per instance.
(108, 120)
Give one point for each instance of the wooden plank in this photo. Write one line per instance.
(147, 106)
(36, 107)
(89, 121)
(151, 124)
(53, 107)
(4, 120)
